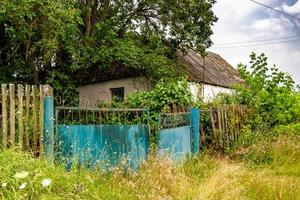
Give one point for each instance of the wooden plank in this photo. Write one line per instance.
(202, 135)
(234, 115)
(41, 120)
(223, 139)
(12, 110)
(239, 120)
(27, 113)
(20, 116)
(34, 118)
(219, 127)
(232, 124)
(4, 115)
(213, 124)
(226, 127)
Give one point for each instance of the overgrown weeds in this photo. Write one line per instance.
(262, 169)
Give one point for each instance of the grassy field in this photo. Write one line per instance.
(266, 169)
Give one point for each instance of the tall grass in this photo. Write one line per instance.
(158, 179)
(264, 169)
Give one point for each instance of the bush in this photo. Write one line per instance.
(166, 96)
(269, 93)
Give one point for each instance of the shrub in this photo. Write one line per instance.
(269, 93)
(166, 96)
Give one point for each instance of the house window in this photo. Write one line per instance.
(117, 93)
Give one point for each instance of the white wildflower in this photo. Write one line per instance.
(22, 186)
(21, 175)
(46, 182)
(3, 185)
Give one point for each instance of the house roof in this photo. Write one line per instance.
(215, 71)
(115, 72)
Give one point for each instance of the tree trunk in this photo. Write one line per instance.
(94, 13)
(36, 80)
(105, 10)
(88, 18)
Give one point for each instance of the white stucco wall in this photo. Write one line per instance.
(90, 94)
(211, 91)
(196, 90)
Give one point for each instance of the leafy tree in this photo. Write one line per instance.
(178, 22)
(58, 41)
(142, 34)
(32, 33)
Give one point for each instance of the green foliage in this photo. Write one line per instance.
(157, 178)
(268, 93)
(166, 96)
(32, 33)
(277, 148)
(65, 87)
(204, 177)
(65, 42)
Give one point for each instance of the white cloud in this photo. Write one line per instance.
(295, 9)
(246, 21)
(273, 25)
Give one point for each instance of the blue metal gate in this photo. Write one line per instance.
(179, 133)
(107, 137)
(102, 137)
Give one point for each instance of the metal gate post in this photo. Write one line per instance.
(195, 122)
(48, 123)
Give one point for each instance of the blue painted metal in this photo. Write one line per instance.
(49, 127)
(175, 141)
(181, 140)
(103, 145)
(107, 145)
(195, 124)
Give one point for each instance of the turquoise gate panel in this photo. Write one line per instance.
(103, 145)
(175, 141)
(179, 133)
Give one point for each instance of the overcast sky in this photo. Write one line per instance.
(277, 35)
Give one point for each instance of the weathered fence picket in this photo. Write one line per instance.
(226, 124)
(35, 119)
(12, 120)
(22, 116)
(27, 110)
(4, 116)
(41, 120)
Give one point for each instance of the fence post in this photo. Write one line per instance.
(4, 115)
(195, 113)
(35, 119)
(20, 115)
(12, 112)
(48, 138)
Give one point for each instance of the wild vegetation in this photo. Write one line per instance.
(263, 164)
(269, 93)
(266, 168)
(64, 42)
(165, 96)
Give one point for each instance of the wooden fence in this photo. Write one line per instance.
(22, 114)
(226, 124)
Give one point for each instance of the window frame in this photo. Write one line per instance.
(114, 93)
